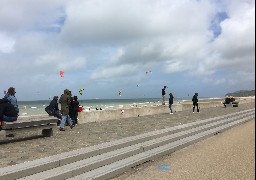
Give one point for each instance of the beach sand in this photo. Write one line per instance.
(88, 134)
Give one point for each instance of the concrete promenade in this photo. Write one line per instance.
(227, 156)
(92, 133)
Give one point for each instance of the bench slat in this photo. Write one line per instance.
(25, 124)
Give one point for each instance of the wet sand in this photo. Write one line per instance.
(88, 134)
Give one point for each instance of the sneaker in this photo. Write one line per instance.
(71, 127)
(171, 113)
(193, 112)
(62, 129)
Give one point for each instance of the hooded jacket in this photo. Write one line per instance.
(64, 102)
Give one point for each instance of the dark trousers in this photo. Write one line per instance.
(195, 105)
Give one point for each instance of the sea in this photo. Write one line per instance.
(28, 108)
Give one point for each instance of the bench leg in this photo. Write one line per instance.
(47, 132)
(2, 134)
(1, 124)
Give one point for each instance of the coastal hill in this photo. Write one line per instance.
(242, 93)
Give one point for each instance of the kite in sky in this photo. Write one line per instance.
(81, 91)
(4, 92)
(61, 73)
(149, 72)
(120, 93)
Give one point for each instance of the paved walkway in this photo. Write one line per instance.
(88, 134)
(227, 156)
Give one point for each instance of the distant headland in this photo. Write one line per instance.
(242, 93)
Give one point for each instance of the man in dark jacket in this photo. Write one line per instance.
(64, 102)
(171, 102)
(8, 112)
(53, 109)
(163, 95)
(195, 102)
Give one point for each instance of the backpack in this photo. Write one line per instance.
(4, 100)
(48, 110)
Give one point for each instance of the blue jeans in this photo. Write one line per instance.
(64, 119)
(9, 119)
(170, 106)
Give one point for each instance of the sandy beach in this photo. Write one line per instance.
(93, 133)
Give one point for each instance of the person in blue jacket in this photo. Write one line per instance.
(10, 96)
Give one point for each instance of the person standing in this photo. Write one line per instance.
(195, 102)
(74, 104)
(163, 95)
(65, 101)
(171, 102)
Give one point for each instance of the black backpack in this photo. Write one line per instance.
(4, 100)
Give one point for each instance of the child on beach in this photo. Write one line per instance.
(73, 109)
(171, 102)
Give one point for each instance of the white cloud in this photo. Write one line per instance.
(107, 40)
(7, 43)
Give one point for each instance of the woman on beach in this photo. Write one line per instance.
(171, 102)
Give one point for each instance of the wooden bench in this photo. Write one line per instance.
(232, 104)
(44, 123)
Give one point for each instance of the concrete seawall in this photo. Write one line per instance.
(104, 115)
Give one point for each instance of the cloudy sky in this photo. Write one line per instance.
(103, 46)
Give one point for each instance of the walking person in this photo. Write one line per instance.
(163, 95)
(65, 101)
(171, 102)
(195, 102)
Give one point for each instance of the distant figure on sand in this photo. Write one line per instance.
(171, 102)
(195, 102)
(163, 95)
(65, 101)
(53, 109)
(8, 112)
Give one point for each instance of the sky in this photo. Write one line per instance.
(132, 46)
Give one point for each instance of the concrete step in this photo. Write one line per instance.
(44, 164)
(117, 168)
